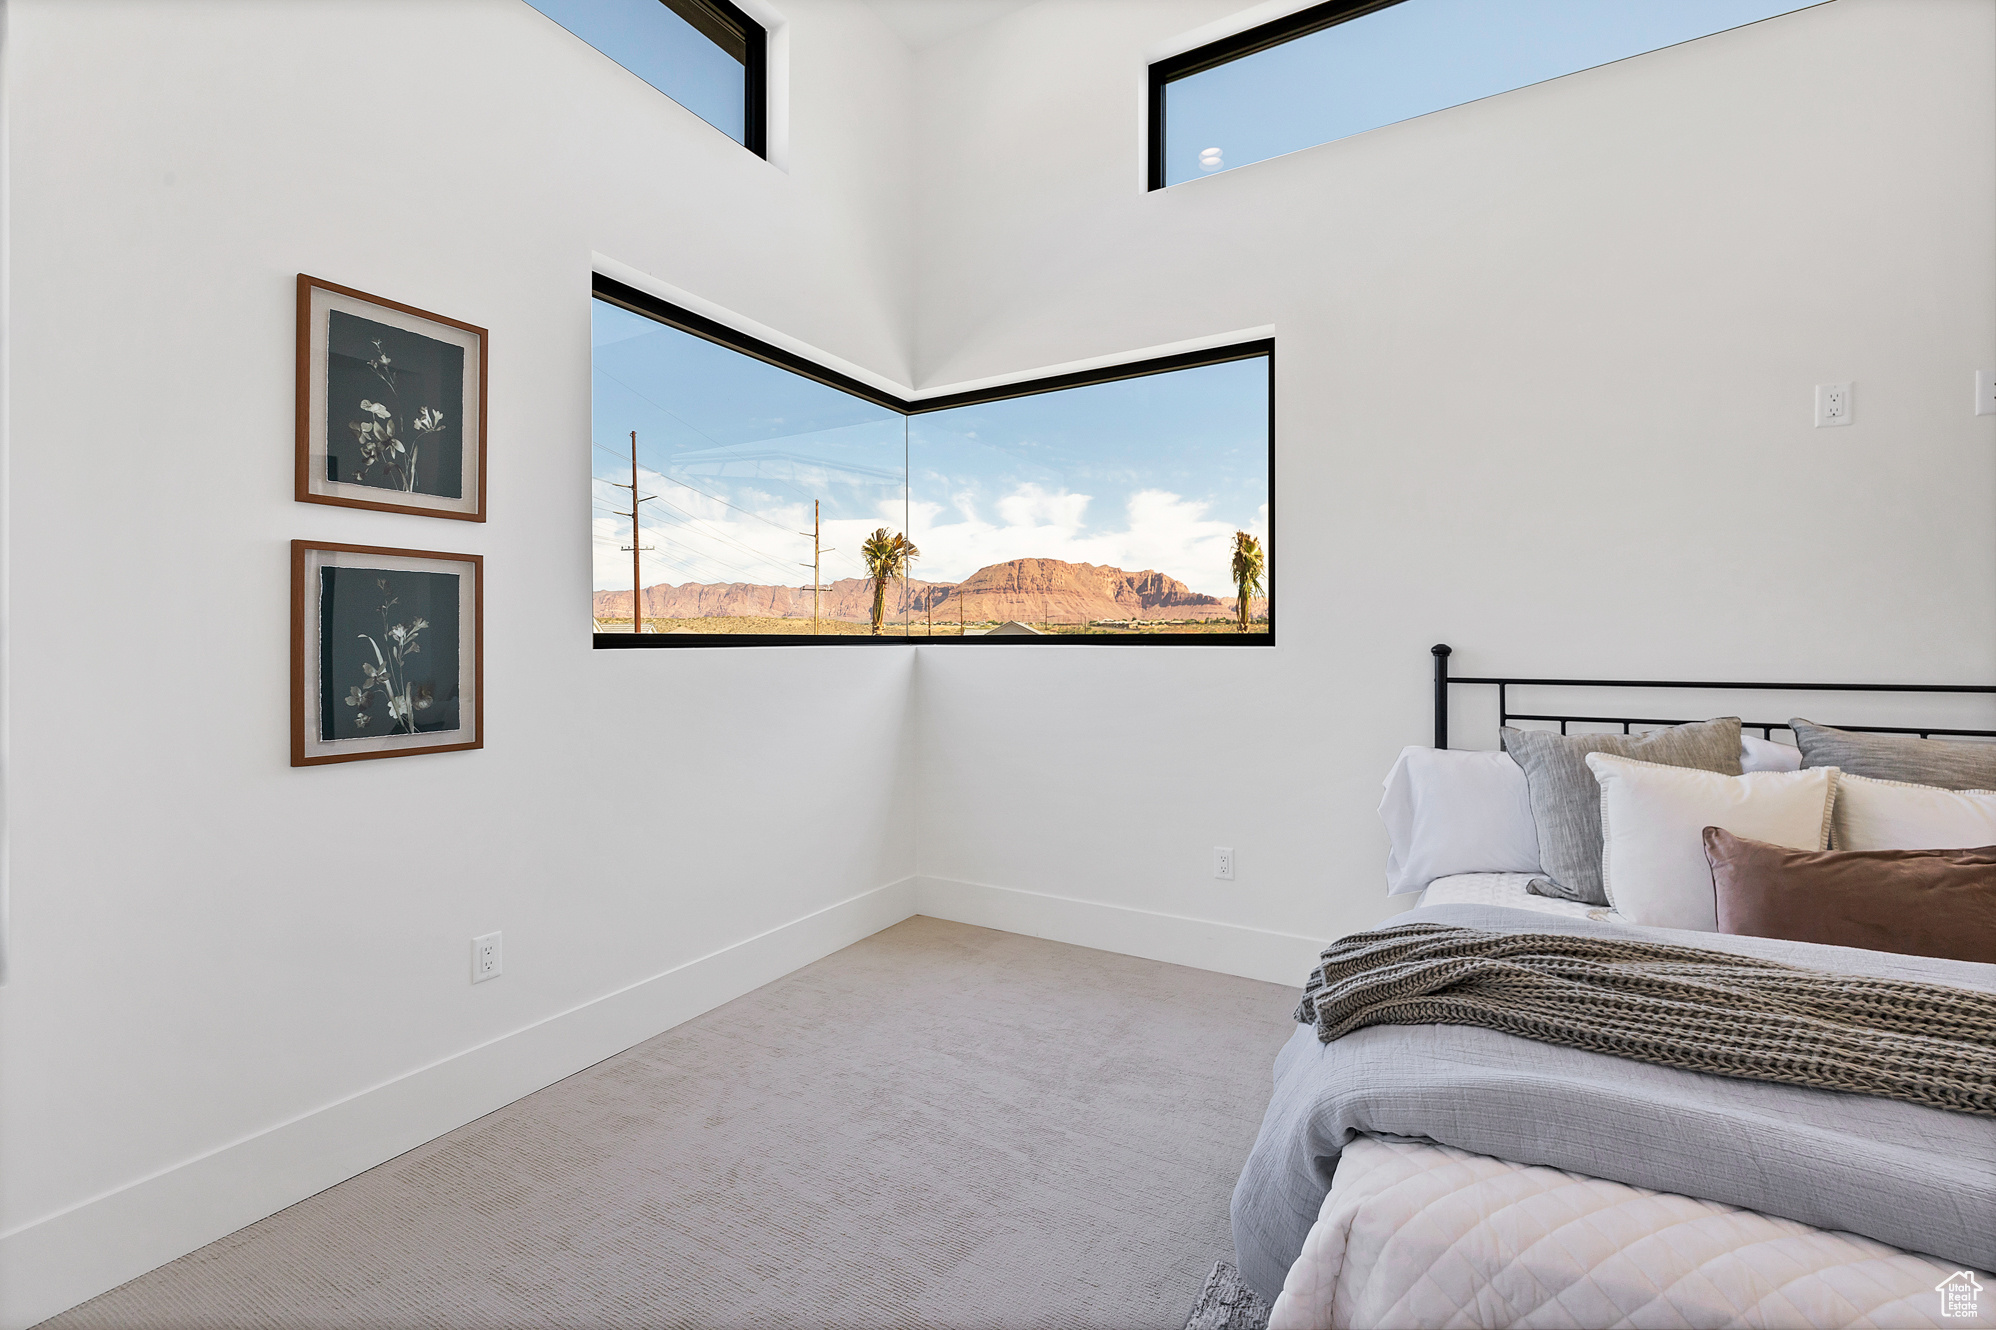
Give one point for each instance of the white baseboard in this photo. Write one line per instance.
(56, 1262)
(1254, 953)
(63, 1259)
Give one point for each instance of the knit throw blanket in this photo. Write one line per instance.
(1685, 1007)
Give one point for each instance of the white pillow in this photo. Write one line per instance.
(1758, 754)
(1892, 815)
(1653, 822)
(1453, 811)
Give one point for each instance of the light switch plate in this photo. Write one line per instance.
(1832, 404)
(1985, 392)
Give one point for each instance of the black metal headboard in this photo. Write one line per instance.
(1443, 682)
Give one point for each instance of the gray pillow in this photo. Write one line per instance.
(1566, 800)
(1902, 757)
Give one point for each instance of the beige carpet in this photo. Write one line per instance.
(939, 1126)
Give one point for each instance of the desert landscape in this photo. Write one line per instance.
(1048, 594)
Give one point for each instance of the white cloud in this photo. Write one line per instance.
(1031, 507)
(1161, 531)
(705, 540)
(697, 538)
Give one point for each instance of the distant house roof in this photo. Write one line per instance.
(1013, 628)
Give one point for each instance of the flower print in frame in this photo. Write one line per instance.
(391, 405)
(385, 652)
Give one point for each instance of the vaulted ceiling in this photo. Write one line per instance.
(922, 23)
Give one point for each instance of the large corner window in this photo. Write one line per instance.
(1341, 68)
(743, 496)
(707, 55)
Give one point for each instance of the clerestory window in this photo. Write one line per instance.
(1341, 68)
(707, 55)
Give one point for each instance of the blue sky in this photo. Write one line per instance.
(1156, 472)
(735, 450)
(1412, 58)
(664, 50)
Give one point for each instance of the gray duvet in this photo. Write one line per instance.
(1919, 1178)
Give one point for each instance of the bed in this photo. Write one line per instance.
(1438, 1174)
(1506, 890)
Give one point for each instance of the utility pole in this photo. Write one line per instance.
(817, 553)
(637, 554)
(636, 547)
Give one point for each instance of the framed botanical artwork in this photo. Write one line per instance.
(386, 652)
(391, 405)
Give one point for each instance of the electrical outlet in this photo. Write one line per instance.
(487, 959)
(1985, 392)
(1832, 404)
(1223, 863)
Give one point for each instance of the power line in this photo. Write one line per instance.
(719, 535)
(697, 554)
(738, 508)
(759, 570)
(674, 480)
(694, 517)
(682, 527)
(691, 570)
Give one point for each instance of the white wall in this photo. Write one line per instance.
(209, 945)
(1545, 378)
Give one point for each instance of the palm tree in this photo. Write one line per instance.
(1248, 566)
(886, 556)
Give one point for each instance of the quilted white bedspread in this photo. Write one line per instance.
(1417, 1234)
(1505, 889)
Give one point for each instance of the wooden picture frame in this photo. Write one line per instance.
(391, 404)
(360, 617)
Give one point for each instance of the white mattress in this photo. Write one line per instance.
(1506, 889)
(1416, 1234)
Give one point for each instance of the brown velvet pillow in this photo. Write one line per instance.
(1916, 902)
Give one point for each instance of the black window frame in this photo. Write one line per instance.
(1225, 51)
(730, 28)
(740, 38)
(643, 303)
